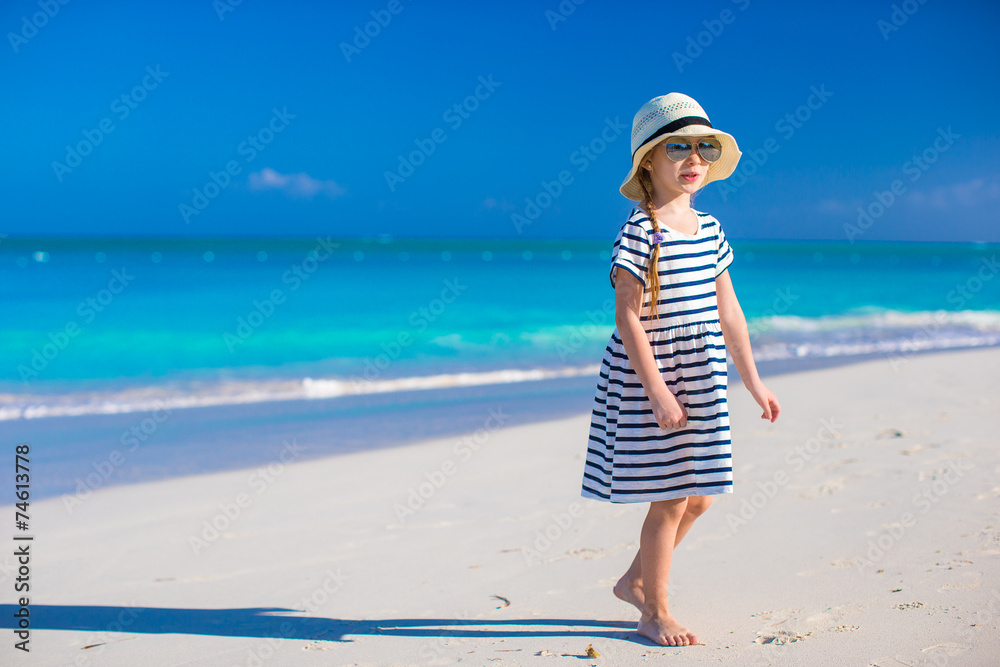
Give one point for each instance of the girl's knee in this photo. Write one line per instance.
(666, 508)
(698, 505)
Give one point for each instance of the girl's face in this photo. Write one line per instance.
(671, 179)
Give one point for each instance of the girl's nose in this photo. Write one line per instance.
(696, 158)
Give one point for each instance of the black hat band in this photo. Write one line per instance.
(673, 126)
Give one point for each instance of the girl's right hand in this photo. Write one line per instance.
(668, 411)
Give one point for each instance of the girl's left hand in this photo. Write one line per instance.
(767, 401)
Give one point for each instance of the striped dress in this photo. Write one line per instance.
(630, 459)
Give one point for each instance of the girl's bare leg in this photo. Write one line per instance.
(656, 550)
(696, 506)
(629, 587)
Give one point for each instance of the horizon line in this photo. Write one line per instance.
(386, 239)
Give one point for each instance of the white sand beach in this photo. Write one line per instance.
(864, 530)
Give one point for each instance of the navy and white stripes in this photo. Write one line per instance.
(629, 457)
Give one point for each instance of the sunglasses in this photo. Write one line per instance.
(709, 149)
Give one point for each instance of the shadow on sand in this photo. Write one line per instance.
(288, 624)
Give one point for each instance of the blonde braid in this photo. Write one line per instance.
(652, 271)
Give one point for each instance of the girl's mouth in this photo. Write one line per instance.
(690, 178)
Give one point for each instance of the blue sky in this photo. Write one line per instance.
(304, 135)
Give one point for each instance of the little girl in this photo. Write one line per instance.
(659, 429)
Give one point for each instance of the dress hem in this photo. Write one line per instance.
(664, 495)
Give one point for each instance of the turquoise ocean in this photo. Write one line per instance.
(111, 326)
(132, 360)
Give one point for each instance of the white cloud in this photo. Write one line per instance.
(296, 185)
(970, 193)
(940, 198)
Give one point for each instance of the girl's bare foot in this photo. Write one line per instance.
(630, 592)
(665, 631)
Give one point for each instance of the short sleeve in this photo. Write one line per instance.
(724, 254)
(632, 251)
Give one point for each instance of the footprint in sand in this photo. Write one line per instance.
(967, 582)
(989, 540)
(771, 615)
(778, 637)
(989, 495)
(788, 626)
(773, 634)
(942, 473)
(320, 644)
(952, 563)
(586, 553)
(908, 605)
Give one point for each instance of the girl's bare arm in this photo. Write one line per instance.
(628, 303)
(737, 337)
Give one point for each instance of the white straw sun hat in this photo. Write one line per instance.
(675, 114)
